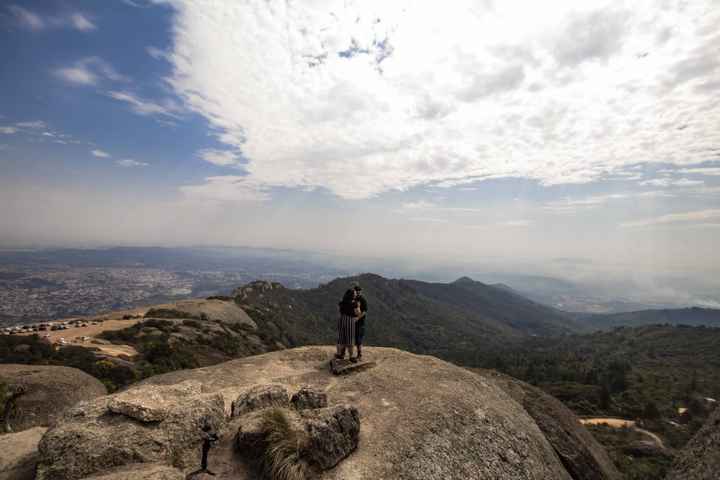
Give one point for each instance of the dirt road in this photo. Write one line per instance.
(620, 423)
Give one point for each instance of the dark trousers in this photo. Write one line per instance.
(359, 331)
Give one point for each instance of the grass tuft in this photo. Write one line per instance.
(282, 459)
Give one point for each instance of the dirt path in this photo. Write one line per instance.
(620, 423)
(84, 336)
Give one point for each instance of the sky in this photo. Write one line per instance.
(581, 134)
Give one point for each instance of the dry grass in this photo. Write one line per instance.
(284, 448)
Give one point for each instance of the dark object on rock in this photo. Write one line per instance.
(345, 367)
(209, 438)
(333, 434)
(144, 471)
(91, 438)
(61, 387)
(583, 457)
(258, 397)
(18, 454)
(700, 458)
(308, 397)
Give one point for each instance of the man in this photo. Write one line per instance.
(360, 324)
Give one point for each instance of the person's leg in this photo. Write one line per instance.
(359, 334)
(203, 463)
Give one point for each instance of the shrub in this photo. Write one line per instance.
(284, 447)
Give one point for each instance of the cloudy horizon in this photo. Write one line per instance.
(512, 131)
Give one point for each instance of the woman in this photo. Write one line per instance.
(349, 313)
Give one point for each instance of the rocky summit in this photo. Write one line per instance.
(404, 417)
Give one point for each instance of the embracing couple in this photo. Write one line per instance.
(351, 323)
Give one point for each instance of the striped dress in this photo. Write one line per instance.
(346, 330)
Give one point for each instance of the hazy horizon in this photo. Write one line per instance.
(573, 140)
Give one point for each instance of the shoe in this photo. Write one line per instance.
(359, 358)
(339, 357)
(353, 359)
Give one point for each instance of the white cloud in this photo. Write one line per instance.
(33, 21)
(129, 163)
(669, 182)
(100, 153)
(223, 158)
(389, 87)
(26, 18)
(147, 107)
(89, 71)
(8, 130)
(81, 22)
(701, 216)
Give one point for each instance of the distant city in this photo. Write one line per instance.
(49, 285)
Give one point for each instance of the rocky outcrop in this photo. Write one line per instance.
(209, 311)
(148, 424)
(700, 459)
(308, 397)
(422, 418)
(153, 404)
(144, 471)
(260, 396)
(46, 392)
(333, 434)
(583, 457)
(18, 454)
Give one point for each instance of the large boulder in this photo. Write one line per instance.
(18, 454)
(308, 397)
(206, 310)
(153, 405)
(584, 458)
(144, 471)
(260, 396)
(147, 424)
(422, 418)
(333, 434)
(700, 459)
(47, 391)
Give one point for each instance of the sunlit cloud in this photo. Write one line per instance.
(89, 71)
(145, 107)
(81, 22)
(33, 21)
(100, 153)
(222, 158)
(559, 92)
